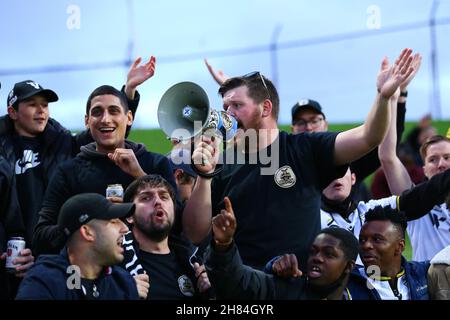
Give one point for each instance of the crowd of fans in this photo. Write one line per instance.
(287, 216)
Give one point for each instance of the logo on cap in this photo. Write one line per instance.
(12, 100)
(303, 102)
(67, 231)
(34, 84)
(83, 218)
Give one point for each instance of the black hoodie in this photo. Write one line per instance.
(56, 144)
(89, 171)
(49, 277)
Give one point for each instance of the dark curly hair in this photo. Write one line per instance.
(151, 180)
(398, 219)
(348, 242)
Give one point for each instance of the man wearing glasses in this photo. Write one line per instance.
(279, 212)
(307, 116)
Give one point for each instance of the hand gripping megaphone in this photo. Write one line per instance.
(184, 112)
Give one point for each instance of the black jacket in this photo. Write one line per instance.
(9, 210)
(48, 278)
(57, 145)
(9, 205)
(89, 171)
(231, 279)
(3, 282)
(416, 278)
(420, 199)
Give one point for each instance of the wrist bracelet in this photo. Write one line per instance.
(222, 244)
(404, 94)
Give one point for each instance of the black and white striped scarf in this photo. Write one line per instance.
(131, 261)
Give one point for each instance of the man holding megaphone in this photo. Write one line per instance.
(274, 179)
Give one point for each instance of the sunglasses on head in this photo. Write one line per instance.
(259, 75)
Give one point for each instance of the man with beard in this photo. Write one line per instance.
(151, 252)
(84, 269)
(331, 258)
(275, 180)
(308, 116)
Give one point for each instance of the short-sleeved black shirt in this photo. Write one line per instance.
(167, 280)
(280, 212)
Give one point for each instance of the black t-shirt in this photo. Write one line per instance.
(30, 181)
(167, 280)
(90, 289)
(278, 213)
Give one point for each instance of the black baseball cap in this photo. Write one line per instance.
(185, 167)
(306, 104)
(81, 208)
(26, 89)
(181, 159)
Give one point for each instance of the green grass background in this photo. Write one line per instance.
(156, 141)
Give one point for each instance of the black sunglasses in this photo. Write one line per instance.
(259, 75)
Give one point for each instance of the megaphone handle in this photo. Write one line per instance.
(216, 171)
(206, 175)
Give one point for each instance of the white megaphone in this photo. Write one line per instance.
(184, 112)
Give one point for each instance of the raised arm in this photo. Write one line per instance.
(368, 164)
(396, 174)
(197, 213)
(354, 143)
(419, 200)
(230, 278)
(218, 75)
(138, 74)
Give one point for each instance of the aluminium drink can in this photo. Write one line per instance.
(14, 246)
(114, 190)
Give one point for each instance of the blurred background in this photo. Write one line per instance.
(328, 50)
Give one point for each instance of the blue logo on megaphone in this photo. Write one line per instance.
(219, 121)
